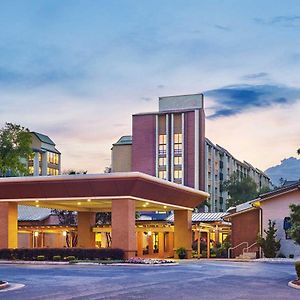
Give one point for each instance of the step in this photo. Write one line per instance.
(247, 255)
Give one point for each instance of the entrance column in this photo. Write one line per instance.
(170, 242)
(140, 237)
(85, 222)
(123, 226)
(161, 244)
(8, 225)
(183, 230)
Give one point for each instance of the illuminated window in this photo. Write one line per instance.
(30, 170)
(162, 161)
(177, 160)
(162, 147)
(53, 158)
(177, 143)
(162, 174)
(177, 174)
(177, 138)
(162, 139)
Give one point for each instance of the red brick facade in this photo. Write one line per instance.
(143, 144)
(245, 228)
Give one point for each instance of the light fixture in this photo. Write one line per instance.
(147, 203)
(149, 233)
(36, 233)
(88, 200)
(165, 206)
(144, 205)
(64, 233)
(37, 205)
(36, 201)
(78, 203)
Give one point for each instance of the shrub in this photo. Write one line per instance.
(181, 252)
(49, 253)
(56, 258)
(40, 257)
(281, 255)
(70, 258)
(297, 268)
(270, 245)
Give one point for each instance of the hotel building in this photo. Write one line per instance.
(46, 159)
(171, 144)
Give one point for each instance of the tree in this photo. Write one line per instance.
(65, 217)
(298, 151)
(269, 244)
(15, 150)
(240, 189)
(294, 231)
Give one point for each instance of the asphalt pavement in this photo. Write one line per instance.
(188, 280)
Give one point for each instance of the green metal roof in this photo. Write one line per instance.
(44, 138)
(124, 140)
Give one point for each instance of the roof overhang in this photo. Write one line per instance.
(96, 192)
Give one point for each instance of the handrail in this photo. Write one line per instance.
(232, 248)
(249, 247)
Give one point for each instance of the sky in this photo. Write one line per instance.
(78, 70)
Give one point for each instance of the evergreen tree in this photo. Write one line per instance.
(269, 244)
(294, 231)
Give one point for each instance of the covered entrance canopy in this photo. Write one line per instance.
(121, 193)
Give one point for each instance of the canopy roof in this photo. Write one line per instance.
(96, 192)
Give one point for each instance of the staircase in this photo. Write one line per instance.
(247, 255)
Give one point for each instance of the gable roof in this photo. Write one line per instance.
(283, 190)
(43, 138)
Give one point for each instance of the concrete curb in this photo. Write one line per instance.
(4, 285)
(293, 285)
(12, 287)
(127, 264)
(24, 262)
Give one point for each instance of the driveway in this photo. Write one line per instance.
(189, 280)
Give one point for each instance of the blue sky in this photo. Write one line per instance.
(77, 70)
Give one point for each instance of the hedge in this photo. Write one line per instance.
(49, 253)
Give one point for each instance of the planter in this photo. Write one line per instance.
(182, 256)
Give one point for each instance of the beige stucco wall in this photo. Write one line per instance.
(276, 209)
(121, 158)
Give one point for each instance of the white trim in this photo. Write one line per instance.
(183, 143)
(156, 145)
(167, 147)
(172, 147)
(96, 198)
(196, 177)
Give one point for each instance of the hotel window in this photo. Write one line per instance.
(177, 143)
(162, 161)
(177, 160)
(162, 147)
(162, 174)
(30, 170)
(52, 158)
(177, 174)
